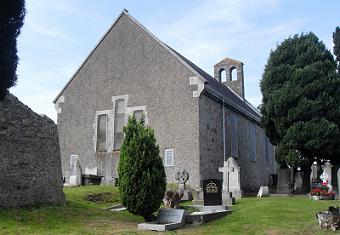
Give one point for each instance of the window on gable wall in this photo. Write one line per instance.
(101, 132)
(138, 114)
(252, 142)
(119, 118)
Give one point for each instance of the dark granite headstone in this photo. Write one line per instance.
(212, 191)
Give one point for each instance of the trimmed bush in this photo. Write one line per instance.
(141, 172)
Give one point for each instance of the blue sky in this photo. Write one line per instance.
(59, 34)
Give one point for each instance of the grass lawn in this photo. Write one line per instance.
(275, 215)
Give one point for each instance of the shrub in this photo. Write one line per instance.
(141, 172)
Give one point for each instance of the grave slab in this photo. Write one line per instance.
(167, 219)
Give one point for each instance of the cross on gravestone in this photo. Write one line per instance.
(231, 178)
(182, 177)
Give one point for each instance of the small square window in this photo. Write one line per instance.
(169, 157)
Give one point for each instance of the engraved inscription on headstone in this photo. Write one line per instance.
(212, 190)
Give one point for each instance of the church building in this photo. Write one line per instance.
(199, 120)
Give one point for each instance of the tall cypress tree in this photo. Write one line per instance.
(12, 13)
(336, 48)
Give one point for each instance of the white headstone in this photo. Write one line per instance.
(75, 171)
(91, 171)
(231, 178)
(327, 169)
(314, 172)
(263, 192)
(298, 182)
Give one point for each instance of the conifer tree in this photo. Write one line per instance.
(141, 172)
(301, 101)
(12, 13)
(336, 48)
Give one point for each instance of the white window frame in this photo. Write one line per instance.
(109, 127)
(114, 98)
(130, 111)
(111, 122)
(172, 156)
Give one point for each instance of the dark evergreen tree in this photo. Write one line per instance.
(141, 172)
(301, 101)
(12, 13)
(336, 48)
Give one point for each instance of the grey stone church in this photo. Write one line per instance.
(199, 120)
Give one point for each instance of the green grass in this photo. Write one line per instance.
(274, 215)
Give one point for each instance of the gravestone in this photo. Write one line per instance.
(91, 171)
(298, 179)
(283, 181)
(167, 219)
(212, 192)
(74, 171)
(327, 169)
(231, 179)
(314, 173)
(182, 177)
(263, 191)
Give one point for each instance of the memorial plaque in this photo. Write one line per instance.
(212, 191)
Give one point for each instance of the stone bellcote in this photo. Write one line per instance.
(223, 72)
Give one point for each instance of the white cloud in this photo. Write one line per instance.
(216, 29)
(49, 31)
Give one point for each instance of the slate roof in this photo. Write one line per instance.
(223, 90)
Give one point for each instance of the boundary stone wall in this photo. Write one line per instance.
(30, 164)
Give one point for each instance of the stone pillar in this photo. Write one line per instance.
(283, 180)
(314, 173)
(298, 179)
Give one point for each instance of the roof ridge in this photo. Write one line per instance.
(125, 12)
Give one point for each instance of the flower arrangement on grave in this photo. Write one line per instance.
(323, 191)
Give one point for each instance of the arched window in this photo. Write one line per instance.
(223, 75)
(233, 74)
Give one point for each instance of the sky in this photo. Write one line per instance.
(58, 35)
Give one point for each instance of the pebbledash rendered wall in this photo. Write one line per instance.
(253, 173)
(30, 166)
(129, 61)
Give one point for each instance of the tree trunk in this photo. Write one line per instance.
(306, 177)
(148, 218)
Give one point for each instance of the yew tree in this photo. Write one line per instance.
(301, 101)
(12, 13)
(336, 48)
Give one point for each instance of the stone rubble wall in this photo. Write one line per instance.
(30, 165)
